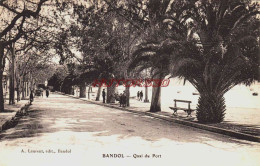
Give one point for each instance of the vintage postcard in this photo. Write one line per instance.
(129, 82)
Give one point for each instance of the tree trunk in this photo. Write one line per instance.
(23, 90)
(18, 95)
(98, 93)
(1, 78)
(146, 100)
(89, 92)
(156, 100)
(127, 85)
(27, 88)
(127, 91)
(18, 92)
(11, 90)
(72, 90)
(82, 93)
(156, 96)
(211, 108)
(11, 86)
(1, 92)
(30, 87)
(111, 93)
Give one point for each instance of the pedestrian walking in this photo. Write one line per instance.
(47, 92)
(138, 95)
(31, 97)
(121, 99)
(124, 99)
(141, 95)
(104, 95)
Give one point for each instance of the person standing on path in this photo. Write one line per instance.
(138, 95)
(47, 92)
(31, 97)
(104, 95)
(124, 99)
(141, 95)
(120, 99)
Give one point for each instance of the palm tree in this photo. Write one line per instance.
(156, 57)
(222, 54)
(151, 53)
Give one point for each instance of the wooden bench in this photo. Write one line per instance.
(187, 110)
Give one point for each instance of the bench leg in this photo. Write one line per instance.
(189, 113)
(175, 111)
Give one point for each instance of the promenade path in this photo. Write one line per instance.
(61, 130)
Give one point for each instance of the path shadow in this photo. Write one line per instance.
(7, 111)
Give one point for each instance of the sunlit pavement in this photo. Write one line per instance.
(84, 132)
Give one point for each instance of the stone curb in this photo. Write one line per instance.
(179, 121)
(13, 117)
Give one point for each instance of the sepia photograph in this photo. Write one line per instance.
(129, 82)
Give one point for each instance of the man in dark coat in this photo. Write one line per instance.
(141, 95)
(31, 97)
(47, 92)
(124, 99)
(104, 95)
(121, 99)
(138, 94)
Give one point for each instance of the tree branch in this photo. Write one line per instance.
(8, 8)
(20, 33)
(25, 13)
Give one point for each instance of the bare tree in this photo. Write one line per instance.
(14, 16)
